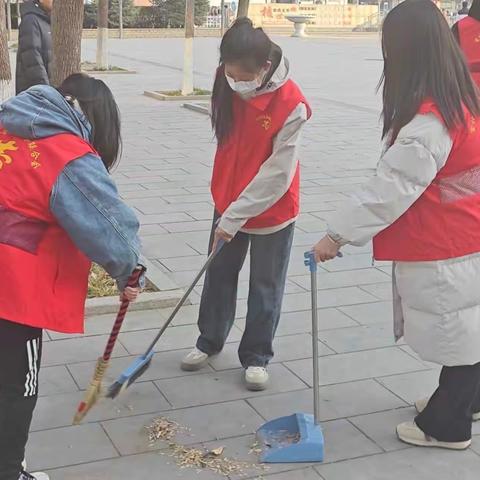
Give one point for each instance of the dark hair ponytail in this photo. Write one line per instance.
(245, 45)
(99, 106)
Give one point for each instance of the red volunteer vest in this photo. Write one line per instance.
(44, 275)
(238, 160)
(469, 33)
(445, 221)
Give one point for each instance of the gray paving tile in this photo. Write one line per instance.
(334, 297)
(336, 401)
(301, 322)
(55, 380)
(349, 262)
(197, 424)
(58, 410)
(351, 278)
(223, 386)
(347, 367)
(383, 291)
(380, 427)
(183, 336)
(77, 350)
(367, 314)
(135, 320)
(302, 474)
(365, 337)
(68, 446)
(134, 467)
(290, 347)
(161, 246)
(412, 386)
(412, 463)
(164, 365)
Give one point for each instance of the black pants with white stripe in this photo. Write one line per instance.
(20, 353)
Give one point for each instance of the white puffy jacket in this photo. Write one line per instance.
(437, 303)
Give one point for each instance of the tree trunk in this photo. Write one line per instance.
(120, 18)
(102, 35)
(243, 8)
(187, 88)
(5, 71)
(9, 19)
(67, 27)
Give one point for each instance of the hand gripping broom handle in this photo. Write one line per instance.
(133, 282)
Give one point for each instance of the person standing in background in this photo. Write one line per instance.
(34, 53)
(467, 33)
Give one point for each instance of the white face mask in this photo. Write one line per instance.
(245, 89)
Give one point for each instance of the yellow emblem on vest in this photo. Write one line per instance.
(265, 121)
(6, 147)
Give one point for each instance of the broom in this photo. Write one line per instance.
(94, 389)
(141, 364)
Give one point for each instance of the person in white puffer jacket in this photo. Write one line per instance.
(422, 210)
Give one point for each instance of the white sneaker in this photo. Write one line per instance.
(256, 378)
(195, 360)
(34, 476)
(409, 432)
(421, 405)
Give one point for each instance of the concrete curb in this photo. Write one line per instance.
(168, 295)
(197, 107)
(147, 301)
(170, 98)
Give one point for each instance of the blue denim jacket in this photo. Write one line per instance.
(84, 200)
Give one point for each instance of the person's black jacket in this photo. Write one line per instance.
(34, 54)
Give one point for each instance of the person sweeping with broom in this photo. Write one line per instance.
(59, 210)
(422, 210)
(258, 113)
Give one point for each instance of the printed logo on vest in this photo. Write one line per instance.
(265, 121)
(5, 159)
(32, 146)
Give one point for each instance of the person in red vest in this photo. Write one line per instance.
(257, 116)
(467, 33)
(59, 210)
(422, 210)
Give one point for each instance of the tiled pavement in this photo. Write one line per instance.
(368, 382)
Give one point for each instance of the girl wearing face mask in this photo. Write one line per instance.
(257, 116)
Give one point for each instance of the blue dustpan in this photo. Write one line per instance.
(298, 438)
(292, 439)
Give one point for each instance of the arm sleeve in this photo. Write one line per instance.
(272, 180)
(86, 204)
(30, 48)
(405, 171)
(455, 32)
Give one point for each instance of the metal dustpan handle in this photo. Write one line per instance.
(312, 264)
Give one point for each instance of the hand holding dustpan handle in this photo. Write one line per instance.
(310, 261)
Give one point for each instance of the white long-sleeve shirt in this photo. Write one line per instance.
(404, 172)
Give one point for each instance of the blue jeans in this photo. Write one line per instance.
(269, 257)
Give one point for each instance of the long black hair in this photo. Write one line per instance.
(99, 106)
(423, 60)
(249, 47)
(475, 10)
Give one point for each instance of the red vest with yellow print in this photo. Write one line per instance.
(44, 275)
(469, 35)
(256, 123)
(445, 221)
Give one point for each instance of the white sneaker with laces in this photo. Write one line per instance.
(421, 405)
(34, 476)
(194, 361)
(410, 433)
(256, 378)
